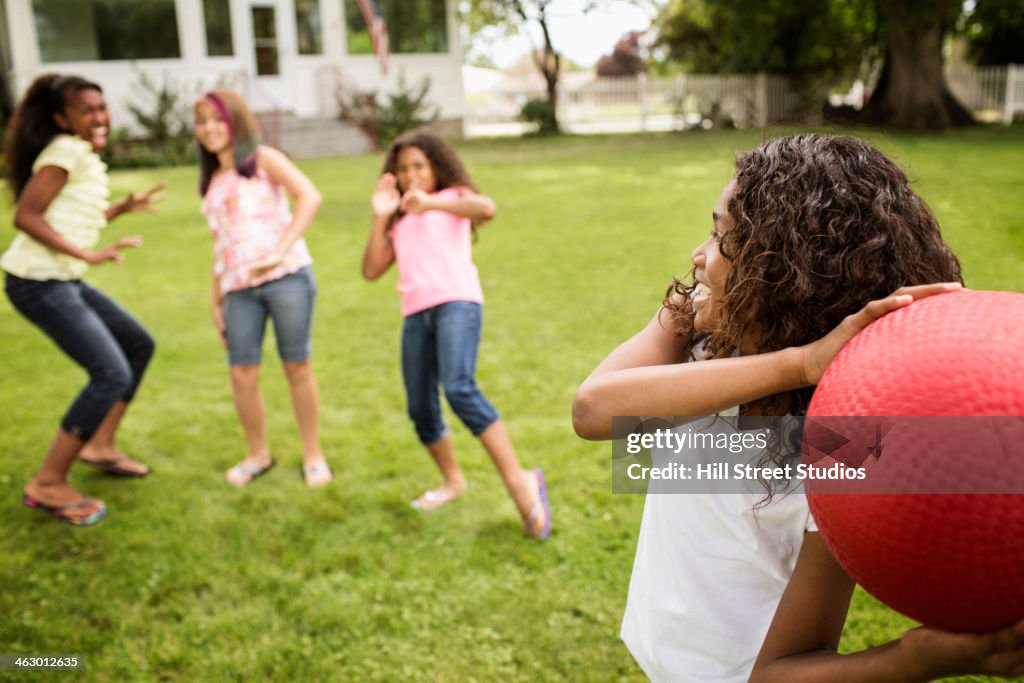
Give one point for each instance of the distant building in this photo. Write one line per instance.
(288, 56)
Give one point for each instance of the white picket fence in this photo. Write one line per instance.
(588, 103)
(642, 103)
(995, 92)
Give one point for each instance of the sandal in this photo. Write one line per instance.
(115, 466)
(433, 499)
(542, 505)
(245, 472)
(317, 474)
(61, 511)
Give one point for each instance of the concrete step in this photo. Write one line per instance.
(308, 138)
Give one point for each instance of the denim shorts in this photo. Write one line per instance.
(288, 302)
(439, 346)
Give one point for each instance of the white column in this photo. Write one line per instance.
(641, 86)
(1010, 98)
(21, 30)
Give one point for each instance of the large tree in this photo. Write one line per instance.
(791, 37)
(911, 91)
(828, 38)
(995, 32)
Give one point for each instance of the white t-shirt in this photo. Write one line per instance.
(708, 575)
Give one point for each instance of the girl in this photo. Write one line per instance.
(61, 188)
(424, 209)
(811, 235)
(261, 269)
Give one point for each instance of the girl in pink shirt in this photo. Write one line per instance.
(261, 269)
(424, 208)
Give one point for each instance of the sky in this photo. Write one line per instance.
(582, 38)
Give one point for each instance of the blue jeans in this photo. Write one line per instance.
(288, 302)
(97, 334)
(439, 345)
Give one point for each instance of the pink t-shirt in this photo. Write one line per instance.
(435, 259)
(247, 217)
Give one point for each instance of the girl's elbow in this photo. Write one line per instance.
(372, 272)
(313, 199)
(20, 219)
(586, 420)
(488, 212)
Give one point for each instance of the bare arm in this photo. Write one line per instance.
(217, 309)
(305, 197)
(29, 217)
(646, 376)
(643, 378)
(804, 634)
(138, 201)
(379, 253)
(476, 207)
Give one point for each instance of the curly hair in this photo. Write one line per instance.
(32, 126)
(444, 162)
(822, 225)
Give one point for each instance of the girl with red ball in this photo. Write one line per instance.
(812, 239)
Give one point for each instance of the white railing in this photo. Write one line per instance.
(587, 102)
(1014, 92)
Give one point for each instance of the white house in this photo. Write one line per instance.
(287, 56)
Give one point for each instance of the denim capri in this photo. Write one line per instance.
(94, 332)
(439, 345)
(288, 302)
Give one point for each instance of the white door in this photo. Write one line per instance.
(269, 54)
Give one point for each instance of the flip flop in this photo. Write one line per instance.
(245, 472)
(60, 511)
(433, 499)
(318, 474)
(541, 504)
(113, 466)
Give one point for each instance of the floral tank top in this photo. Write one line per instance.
(247, 217)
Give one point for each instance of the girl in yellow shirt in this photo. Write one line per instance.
(60, 183)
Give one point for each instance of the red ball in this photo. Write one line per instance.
(949, 560)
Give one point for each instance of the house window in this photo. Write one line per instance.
(264, 36)
(307, 25)
(100, 30)
(413, 26)
(217, 16)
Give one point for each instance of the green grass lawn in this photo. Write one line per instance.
(189, 579)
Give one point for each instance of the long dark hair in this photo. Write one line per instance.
(822, 225)
(33, 127)
(444, 162)
(245, 136)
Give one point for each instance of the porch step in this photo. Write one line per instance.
(310, 138)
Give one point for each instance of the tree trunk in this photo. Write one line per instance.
(912, 92)
(550, 64)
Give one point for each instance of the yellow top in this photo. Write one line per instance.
(77, 213)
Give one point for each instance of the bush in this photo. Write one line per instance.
(406, 108)
(540, 113)
(165, 122)
(385, 118)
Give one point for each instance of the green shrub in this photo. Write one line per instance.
(406, 108)
(540, 113)
(165, 121)
(385, 118)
